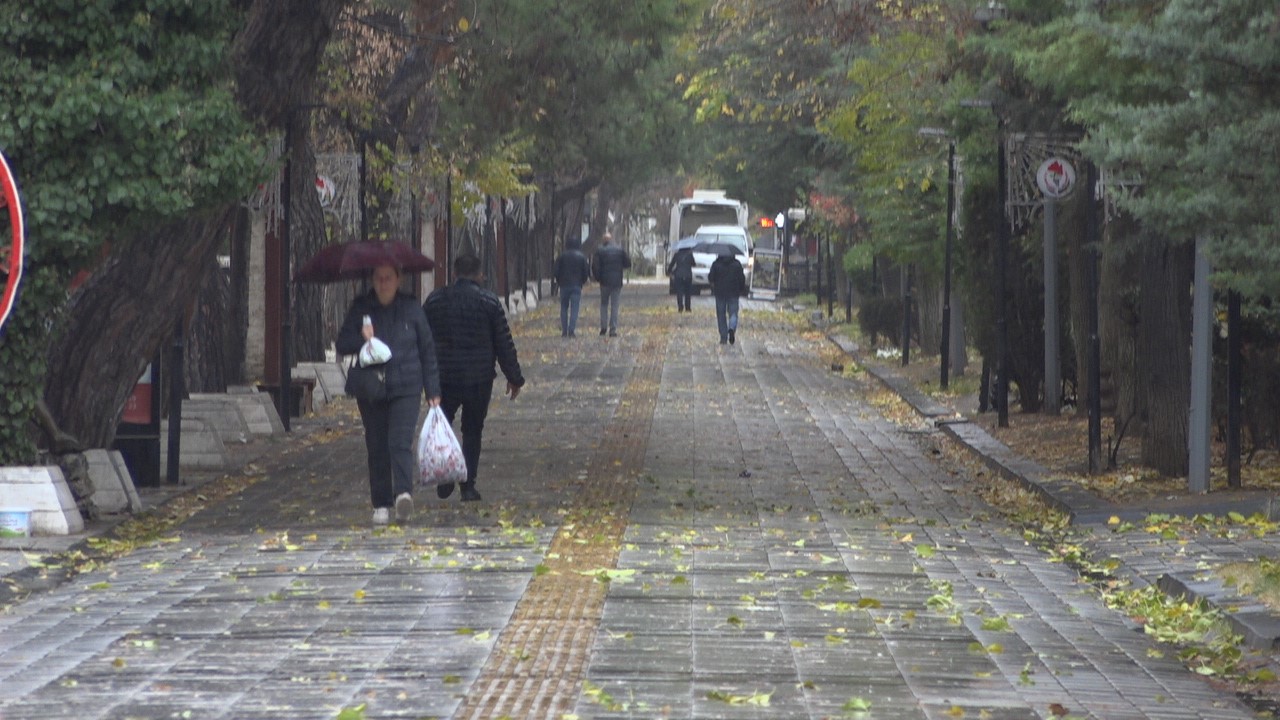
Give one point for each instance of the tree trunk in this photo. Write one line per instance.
(206, 360)
(278, 52)
(1072, 234)
(128, 307)
(238, 297)
(306, 237)
(277, 57)
(959, 338)
(1164, 336)
(121, 317)
(928, 299)
(600, 216)
(1025, 316)
(1118, 323)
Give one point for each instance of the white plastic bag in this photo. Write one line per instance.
(374, 352)
(440, 458)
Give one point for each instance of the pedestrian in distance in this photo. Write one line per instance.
(471, 333)
(728, 284)
(572, 271)
(607, 267)
(397, 320)
(681, 271)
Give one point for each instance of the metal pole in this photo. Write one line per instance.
(786, 252)
(848, 299)
(448, 227)
(817, 239)
(945, 353)
(1052, 381)
(831, 279)
(906, 314)
(176, 392)
(364, 222)
(1093, 241)
(1201, 370)
(286, 322)
(1002, 253)
(1234, 368)
(505, 254)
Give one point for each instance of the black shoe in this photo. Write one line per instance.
(469, 492)
(601, 332)
(444, 490)
(613, 333)
(733, 336)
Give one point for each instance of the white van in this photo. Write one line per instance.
(733, 235)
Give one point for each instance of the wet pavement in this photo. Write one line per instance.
(670, 528)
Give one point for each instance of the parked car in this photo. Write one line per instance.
(712, 240)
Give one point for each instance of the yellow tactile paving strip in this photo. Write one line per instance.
(538, 665)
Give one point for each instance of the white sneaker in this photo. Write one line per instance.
(404, 507)
(381, 516)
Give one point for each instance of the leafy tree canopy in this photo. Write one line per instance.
(115, 117)
(587, 83)
(1182, 101)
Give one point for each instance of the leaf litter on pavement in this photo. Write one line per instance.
(1059, 443)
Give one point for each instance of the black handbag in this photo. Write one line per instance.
(367, 383)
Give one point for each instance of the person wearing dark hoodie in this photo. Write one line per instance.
(471, 332)
(572, 271)
(728, 283)
(397, 320)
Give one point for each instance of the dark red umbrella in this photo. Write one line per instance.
(354, 260)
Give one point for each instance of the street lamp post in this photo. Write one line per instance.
(906, 315)
(944, 352)
(1002, 254)
(780, 222)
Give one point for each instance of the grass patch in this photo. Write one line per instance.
(1258, 579)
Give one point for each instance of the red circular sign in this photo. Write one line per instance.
(10, 253)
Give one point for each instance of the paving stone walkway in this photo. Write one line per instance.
(671, 529)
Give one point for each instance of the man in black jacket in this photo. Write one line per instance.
(728, 284)
(572, 271)
(608, 266)
(471, 333)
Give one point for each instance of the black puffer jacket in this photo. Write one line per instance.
(572, 269)
(471, 333)
(727, 278)
(609, 264)
(402, 326)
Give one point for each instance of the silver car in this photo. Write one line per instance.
(709, 242)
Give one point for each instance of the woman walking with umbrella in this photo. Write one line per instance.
(396, 319)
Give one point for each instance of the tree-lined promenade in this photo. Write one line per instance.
(671, 528)
(169, 154)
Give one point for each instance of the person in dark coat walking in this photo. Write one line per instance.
(608, 266)
(572, 271)
(397, 320)
(681, 271)
(728, 283)
(471, 333)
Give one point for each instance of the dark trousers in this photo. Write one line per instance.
(473, 400)
(389, 427)
(684, 293)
